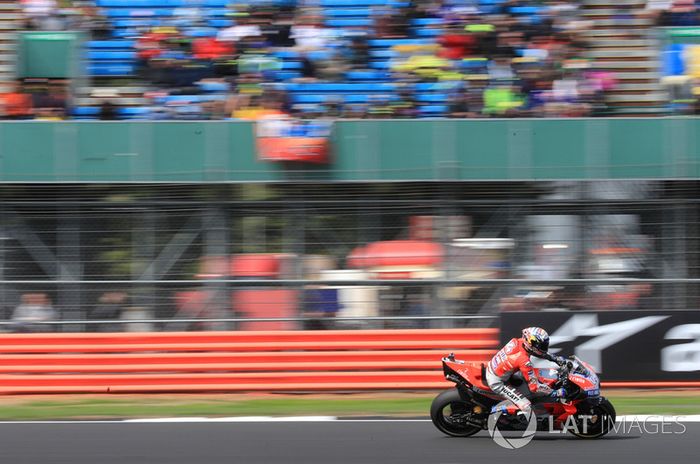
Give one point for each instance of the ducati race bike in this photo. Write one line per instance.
(464, 410)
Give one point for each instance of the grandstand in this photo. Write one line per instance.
(367, 58)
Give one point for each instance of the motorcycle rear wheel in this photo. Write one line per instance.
(606, 414)
(443, 410)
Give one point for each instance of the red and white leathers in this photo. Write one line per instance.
(510, 360)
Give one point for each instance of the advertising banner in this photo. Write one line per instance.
(621, 345)
(302, 149)
(281, 138)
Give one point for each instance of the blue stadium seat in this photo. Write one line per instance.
(220, 23)
(433, 110)
(383, 53)
(673, 63)
(286, 75)
(426, 22)
(291, 65)
(347, 12)
(367, 75)
(525, 10)
(111, 55)
(111, 69)
(286, 54)
(202, 32)
(141, 12)
(360, 98)
(435, 86)
(110, 44)
(131, 111)
(308, 98)
(125, 33)
(139, 22)
(86, 111)
(212, 86)
(351, 22)
(429, 32)
(380, 65)
(317, 55)
(341, 87)
(432, 97)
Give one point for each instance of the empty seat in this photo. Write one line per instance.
(110, 44)
(131, 111)
(433, 110)
(86, 111)
(435, 86)
(351, 3)
(111, 69)
(350, 22)
(367, 75)
(111, 55)
(432, 97)
(428, 32)
(426, 21)
(347, 12)
(212, 86)
(394, 42)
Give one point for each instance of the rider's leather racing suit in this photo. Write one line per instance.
(511, 359)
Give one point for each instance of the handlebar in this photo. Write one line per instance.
(563, 374)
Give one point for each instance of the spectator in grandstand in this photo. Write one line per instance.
(679, 13)
(404, 107)
(245, 26)
(34, 309)
(354, 111)
(456, 43)
(109, 307)
(40, 14)
(278, 33)
(309, 33)
(320, 307)
(462, 106)
(357, 54)
(210, 49)
(16, 104)
(108, 110)
(51, 100)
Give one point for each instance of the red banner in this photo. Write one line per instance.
(304, 149)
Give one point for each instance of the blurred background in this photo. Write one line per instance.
(216, 166)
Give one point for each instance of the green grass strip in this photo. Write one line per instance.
(84, 408)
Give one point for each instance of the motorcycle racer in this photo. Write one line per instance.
(514, 358)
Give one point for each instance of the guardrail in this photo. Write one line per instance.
(331, 360)
(271, 361)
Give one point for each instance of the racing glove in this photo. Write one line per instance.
(559, 360)
(558, 393)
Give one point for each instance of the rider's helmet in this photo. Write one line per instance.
(535, 341)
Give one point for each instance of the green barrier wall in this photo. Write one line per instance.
(57, 55)
(363, 151)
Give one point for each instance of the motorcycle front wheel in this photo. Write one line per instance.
(445, 412)
(599, 421)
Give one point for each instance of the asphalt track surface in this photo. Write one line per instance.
(319, 442)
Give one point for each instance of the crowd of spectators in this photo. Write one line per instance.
(499, 61)
(42, 99)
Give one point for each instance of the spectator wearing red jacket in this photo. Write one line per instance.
(456, 44)
(208, 48)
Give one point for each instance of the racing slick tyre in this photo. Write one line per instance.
(594, 421)
(447, 413)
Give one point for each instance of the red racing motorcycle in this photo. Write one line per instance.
(464, 410)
